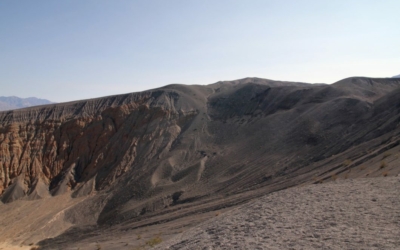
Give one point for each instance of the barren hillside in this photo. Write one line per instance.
(73, 174)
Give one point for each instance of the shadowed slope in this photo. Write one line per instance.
(173, 152)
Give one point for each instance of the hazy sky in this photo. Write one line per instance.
(77, 49)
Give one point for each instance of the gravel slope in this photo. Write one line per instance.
(349, 214)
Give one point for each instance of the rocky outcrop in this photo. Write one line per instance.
(66, 145)
(146, 158)
(175, 144)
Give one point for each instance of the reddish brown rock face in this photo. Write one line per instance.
(146, 158)
(152, 150)
(44, 149)
(71, 149)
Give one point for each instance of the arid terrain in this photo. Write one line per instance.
(246, 164)
(350, 214)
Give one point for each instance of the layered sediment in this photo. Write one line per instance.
(148, 158)
(65, 145)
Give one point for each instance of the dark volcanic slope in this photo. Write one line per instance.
(194, 149)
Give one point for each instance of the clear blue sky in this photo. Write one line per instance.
(76, 49)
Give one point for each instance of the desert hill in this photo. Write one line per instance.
(167, 159)
(13, 102)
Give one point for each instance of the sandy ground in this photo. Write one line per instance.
(344, 214)
(23, 223)
(8, 246)
(349, 214)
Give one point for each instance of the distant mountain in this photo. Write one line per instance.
(13, 102)
(398, 76)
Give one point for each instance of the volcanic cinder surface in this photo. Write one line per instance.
(246, 164)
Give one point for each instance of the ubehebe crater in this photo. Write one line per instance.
(132, 170)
